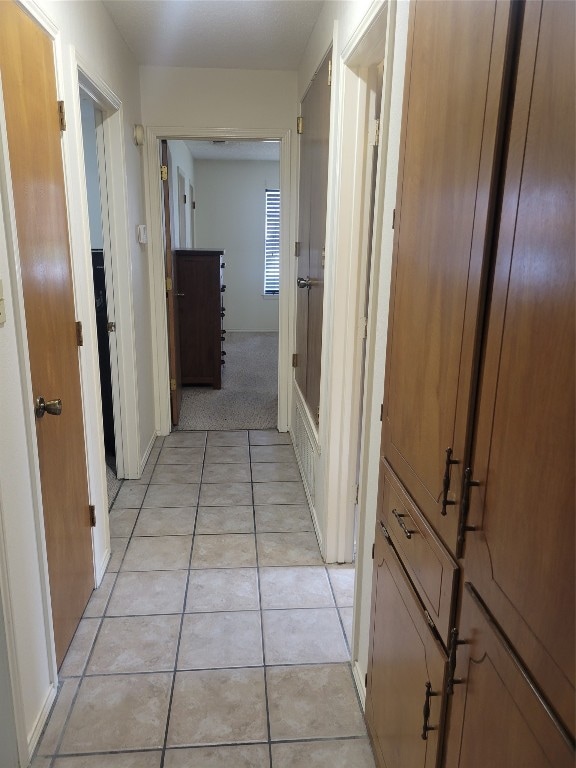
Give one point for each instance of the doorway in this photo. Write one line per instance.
(205, 228)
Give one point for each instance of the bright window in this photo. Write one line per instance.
(272, 243)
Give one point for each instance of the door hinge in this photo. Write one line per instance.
(79, 334)
(381, 411)
(111, 327)
(297, 249)
(364, 327)
(92, 511)
(168, 284)
(373, 546)
(366, 680)
(299, 125)
(393, 218)
(374, 132)
(184, 199)
(62, 115)
(318, 415)
(294, 360)
(330, 72)
(164, 173)
(193, 205)
(357, 493)
(172, 385)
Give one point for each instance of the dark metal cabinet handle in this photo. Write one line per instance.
(402, 524)
(426, 712)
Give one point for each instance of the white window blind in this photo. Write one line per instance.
(272, 243)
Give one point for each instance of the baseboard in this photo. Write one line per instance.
(101, 569)
(360, 684)
(34, 736)
(147, 453)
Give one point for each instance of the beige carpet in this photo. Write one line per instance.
(249, 395)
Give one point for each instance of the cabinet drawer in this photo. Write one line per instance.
(431, 569)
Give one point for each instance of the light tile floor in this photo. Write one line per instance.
(217, 637)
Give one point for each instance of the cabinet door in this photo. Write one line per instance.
(405, 659)
(456, 74)
(496, 717)
(520, 557)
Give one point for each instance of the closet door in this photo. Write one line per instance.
(456, 73)
(520, 554)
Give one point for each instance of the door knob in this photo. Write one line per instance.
(304, 282)
(53, 407)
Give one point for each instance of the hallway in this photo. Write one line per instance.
(217, 636)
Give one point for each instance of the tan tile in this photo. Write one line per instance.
(129, 496)
(174, 495)
(269, 437)
(218, 707)
(117, 550)
(118, 712)
(135, 644)
(165, 521)
(165, 474)
(148, 592)
(158, 553)
(226, 473)
(97, 603)
(241, 756)
(225, 520)
(279, 454)
(119, 760)
(279, 493)
(216, 454)
(304, 636)
(296, 587)
(341, 753)
(228, 438)
(122, 522)
(185, 440)
(227, 639)
(80, 647)
(225, 494)
(283, 518)
(288, 549)
(270, 471)
(313, 702)
(58, 716)
(181, 456)
(223, 589)
(342, 580)
(228, 550)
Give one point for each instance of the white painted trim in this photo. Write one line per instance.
(360, 685)
(26, 740)
(156, 260)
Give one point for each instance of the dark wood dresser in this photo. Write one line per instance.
(200, 313)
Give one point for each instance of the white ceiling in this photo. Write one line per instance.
(234, 150)
(225, 34)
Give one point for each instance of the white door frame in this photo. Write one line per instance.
(156, 260)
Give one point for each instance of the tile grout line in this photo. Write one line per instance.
(175, 670)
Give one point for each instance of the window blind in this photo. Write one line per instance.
(272, 243)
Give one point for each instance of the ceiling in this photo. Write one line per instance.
(223, 34)
(234, 150)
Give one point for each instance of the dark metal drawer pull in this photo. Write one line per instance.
(426, 712)
(402, 524)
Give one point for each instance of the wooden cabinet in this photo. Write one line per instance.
(481, 360)
(200, 314)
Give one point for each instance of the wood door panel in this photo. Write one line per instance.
(34, 143)
(493, 683)
(450, 139)
(521, 558)
(404, 657)
(171, 300)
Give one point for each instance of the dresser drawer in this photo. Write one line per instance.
(428, 564)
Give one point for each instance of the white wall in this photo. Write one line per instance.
(87, 28)
(92, 177)
(230, 214)
(180, 160)
(8, 738)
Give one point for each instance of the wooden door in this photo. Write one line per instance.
(171, 300)
(456, 72)
(315, 111)
(404, 659)
(520, 555)
(497, 718)
(34, 144)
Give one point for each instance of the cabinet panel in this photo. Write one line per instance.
(405, 656)
(456, 72)
(431, 569)
(496, 717)
(520, 558)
